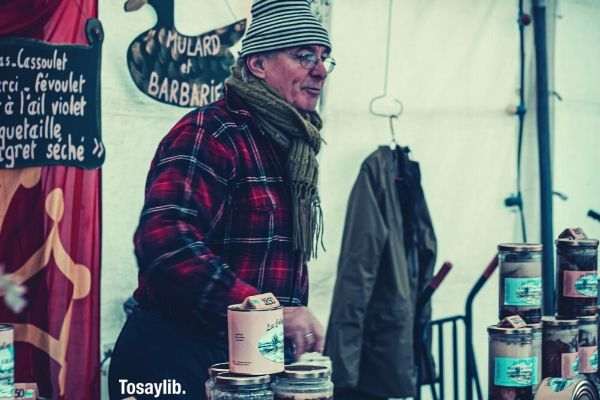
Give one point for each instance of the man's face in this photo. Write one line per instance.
(290, 74)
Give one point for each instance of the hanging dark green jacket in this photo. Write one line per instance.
(387, 257)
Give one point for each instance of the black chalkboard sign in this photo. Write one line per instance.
(184, 71)
(50, 102)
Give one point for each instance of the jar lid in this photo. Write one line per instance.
(520, 247)
(494, 329)
(593, 243)
(306, 371)
(217, 369)
(229, 378)
(552, 321)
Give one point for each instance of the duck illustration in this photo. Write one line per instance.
(186, 71)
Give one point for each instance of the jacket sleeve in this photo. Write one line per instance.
(186, 193)
(365, 234)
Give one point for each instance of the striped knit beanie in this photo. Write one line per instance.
(279, 24)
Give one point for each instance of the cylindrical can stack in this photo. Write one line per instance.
(297, 382)
(563, 346)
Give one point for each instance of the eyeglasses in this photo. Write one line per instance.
(309, 60)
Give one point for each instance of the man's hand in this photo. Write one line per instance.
(305, 331)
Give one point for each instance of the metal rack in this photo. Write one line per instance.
(437, 385)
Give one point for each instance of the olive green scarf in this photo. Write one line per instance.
(298, 134)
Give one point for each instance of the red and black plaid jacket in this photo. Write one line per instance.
(216, 224)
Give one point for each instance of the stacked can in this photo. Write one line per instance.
(304, 382)
(560, 348)
(512, 366)
(576, 277)
(520, 267)
(515, 364)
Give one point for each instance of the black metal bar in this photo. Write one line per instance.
(543, 126)
(438, 324)
(476, 378)
(447, 319)
(419, 338)
(455, 359)
(431, 374)
(471, 368)
(441, 359)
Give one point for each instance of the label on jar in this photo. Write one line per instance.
(580, 284)
(7, 370)
(559, 384)
(515, 372)
(588, 358)
(569, 365)
(535, 374)
(270, 345)
(523, 291)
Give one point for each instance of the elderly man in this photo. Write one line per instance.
(232, 208)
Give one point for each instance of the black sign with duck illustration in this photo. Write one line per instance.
(50, 102)
(185, 71)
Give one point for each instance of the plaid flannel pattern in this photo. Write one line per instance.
(216, 222)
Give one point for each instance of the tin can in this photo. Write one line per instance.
(588, 344)
(560, 348)
(7, 361)
(304, 382)
(230, 386)
(512, 367)
(213, 371)
(566, 389)
(255, 340)
(576, 277)
(520, 281)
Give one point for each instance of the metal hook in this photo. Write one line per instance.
(395, 100)
(394, 143)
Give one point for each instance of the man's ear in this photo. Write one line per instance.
(256, 65)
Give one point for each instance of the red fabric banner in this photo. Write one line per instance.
(50, 238)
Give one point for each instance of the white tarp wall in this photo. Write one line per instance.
(454, 66)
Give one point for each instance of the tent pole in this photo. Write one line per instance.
(544, 149)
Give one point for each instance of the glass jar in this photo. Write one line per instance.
(576, 277)
(213, 371)
(560, 338)
(511, 363)
(520, 281)
(304, 382)
(536, 348)
(229, 386)
(588, 344)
